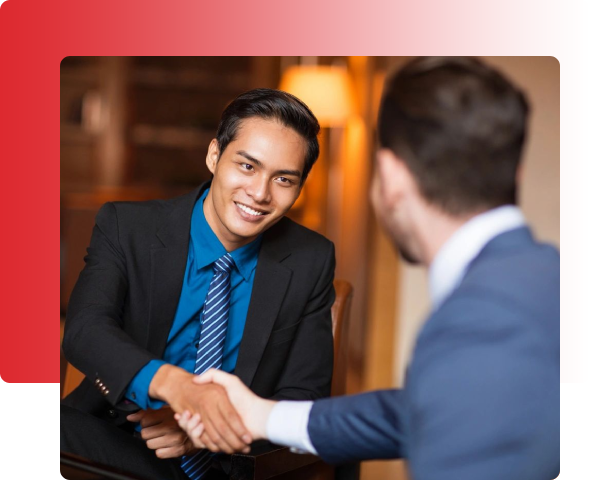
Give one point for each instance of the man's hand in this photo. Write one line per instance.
(162, 433)
(224, 428)
(253, 409)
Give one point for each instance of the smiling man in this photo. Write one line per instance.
(216, 278)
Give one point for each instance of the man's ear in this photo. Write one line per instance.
(392, 174)
(212, 156)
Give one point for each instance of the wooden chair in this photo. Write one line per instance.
(269, 461)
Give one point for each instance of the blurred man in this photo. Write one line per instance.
(481, 397)
(216, 278)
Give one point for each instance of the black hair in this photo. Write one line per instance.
(276, 105)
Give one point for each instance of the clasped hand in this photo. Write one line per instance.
(222, 425)
(253, 410)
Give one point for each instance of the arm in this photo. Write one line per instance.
(359, 427)
(95, 341)
(341, 429)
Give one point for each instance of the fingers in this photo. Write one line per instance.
(173, 440)
(235, 422)
(195, 429)
(176, 450)
(160, 430)
(136, 417)
(193, 426)
(224, 429)
(211, 433)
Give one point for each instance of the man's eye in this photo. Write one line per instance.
(247, 166)
(284, 180)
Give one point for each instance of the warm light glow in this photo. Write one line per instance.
(325, 90)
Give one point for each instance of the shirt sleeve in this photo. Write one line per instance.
(287, 425)
(138, 388)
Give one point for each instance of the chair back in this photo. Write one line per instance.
(340, 321)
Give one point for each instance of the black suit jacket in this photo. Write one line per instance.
(123, 305)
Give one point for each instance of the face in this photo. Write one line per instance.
(256, 180)
(389, 199)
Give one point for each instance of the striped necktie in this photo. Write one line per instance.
(210, 351)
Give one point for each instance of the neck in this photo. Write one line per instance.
(433, 228)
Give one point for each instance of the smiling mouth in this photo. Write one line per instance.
(249, 210)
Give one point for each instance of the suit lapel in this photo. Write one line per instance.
(169, 253)
(271, 283)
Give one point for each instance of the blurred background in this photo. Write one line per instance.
(137, 128)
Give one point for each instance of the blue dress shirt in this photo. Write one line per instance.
(183, 340)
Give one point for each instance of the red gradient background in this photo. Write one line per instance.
(35, 35)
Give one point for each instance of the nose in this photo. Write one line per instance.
(259, 190)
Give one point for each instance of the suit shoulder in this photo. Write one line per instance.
(133, 213)
(300, 237)
(148, 206)
(510, 292)
(530, 270)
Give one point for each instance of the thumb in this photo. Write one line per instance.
(214, 376)
(206, 377)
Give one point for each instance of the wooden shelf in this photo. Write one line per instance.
(171, 136)
(75, 133)
(190, 79)
(84, 75)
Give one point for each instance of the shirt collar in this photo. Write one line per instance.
(452, 260)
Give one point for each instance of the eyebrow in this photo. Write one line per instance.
(294, 173)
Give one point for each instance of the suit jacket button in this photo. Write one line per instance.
(113, 414)
(97, 381)
(106, 392)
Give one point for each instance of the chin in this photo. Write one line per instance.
(243, 233)
(408, 256)
(403, 245)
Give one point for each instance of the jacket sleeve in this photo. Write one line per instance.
(359, 427)
(94, 339)
(307, 373)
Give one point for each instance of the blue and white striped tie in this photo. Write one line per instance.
(210, 350)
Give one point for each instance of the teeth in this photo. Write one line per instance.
(248, 209)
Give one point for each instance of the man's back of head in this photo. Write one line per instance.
(459, 126)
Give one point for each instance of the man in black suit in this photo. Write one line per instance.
(136, 312)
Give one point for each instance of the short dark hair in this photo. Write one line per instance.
(459, 126)
(276, 105)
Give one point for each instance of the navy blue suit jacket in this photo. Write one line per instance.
(481, 399)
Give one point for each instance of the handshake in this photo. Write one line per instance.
(214, 410)
(253, 411)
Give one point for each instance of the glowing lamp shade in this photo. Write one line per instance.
(325, 90)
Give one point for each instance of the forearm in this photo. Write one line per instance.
(167, 383)
(360, 427)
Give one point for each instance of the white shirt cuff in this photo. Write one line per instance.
(287, 425)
